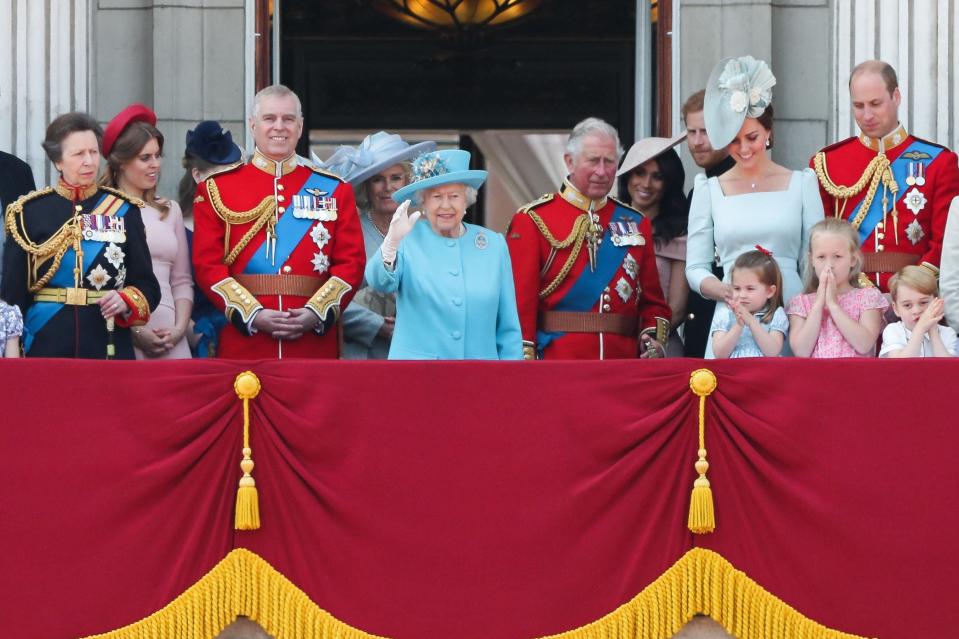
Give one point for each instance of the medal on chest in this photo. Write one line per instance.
(103, 228)
(314, 204)
(625, 232)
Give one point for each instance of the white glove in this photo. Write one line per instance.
(400, 226)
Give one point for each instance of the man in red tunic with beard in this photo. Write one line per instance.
(893, 187)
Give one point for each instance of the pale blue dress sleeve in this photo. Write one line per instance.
(780, 322)
(721, 319)
(509, 338)
(700, 242)
(379, 277)
(812, 212)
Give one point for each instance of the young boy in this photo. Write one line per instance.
(915, 301)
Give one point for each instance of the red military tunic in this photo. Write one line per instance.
(631, 299)
(914, 234)
(236, 269)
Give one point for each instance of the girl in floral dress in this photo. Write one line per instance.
(11, 328)
(835, 317)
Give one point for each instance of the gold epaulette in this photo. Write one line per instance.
(526, 208)
(224, 168)
(628, 206)
(135, 201)
(323, 172)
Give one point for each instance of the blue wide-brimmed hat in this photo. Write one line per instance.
(376, 152)
(737, 88)
(438, 168)
(209, 141)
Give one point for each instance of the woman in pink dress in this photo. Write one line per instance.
(133, 148)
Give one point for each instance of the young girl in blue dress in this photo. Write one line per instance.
(753, 323)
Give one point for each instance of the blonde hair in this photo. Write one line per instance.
(842, 228)
(917, 278)
(763, 265)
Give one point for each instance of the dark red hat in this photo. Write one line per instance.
(134, 113)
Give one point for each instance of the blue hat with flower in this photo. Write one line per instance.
(378, 151)
(737, 88)
(438, 168)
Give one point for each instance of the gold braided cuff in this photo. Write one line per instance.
(237, 299)
(529, 350)
(139, 307)
(329, 297)
(660, 332)
(932, 268)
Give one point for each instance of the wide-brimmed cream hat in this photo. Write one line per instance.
(647, 149)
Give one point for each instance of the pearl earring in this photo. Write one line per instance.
(767, 143)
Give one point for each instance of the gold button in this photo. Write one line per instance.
(287, 268)
(606, 307)
(78, 208)
(880, 235)
(880, 248)
(280, 198)
(879, 226)
(281, 209)
(279, 187)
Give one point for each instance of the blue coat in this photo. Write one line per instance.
(454, 297)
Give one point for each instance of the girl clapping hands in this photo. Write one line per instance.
(753, 323)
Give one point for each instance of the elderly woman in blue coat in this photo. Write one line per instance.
(453, 281)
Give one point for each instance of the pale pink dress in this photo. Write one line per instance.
(672, 251)
(831, 343)
(171, 264)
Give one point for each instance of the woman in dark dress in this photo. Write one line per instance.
(76, 260)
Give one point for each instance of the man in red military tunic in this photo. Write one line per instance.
(893, 187)
(586, 280)
(277, 245)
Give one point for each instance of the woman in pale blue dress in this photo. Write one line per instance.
(755, 202)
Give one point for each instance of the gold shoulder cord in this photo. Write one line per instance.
(54, 247)
(261, 213)
(878, 170)
(574, 239)
(135, 201)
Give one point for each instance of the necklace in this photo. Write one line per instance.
(375, 225)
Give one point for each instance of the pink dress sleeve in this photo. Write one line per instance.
(873, 298)
(181, 280)
(799, 306)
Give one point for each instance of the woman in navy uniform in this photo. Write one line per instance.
(76, 260)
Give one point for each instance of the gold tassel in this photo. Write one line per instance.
(702, 517)
(247, 386)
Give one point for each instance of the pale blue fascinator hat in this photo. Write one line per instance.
(439, 168)
(737, 88)
(378, 151)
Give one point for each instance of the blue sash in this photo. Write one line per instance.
(290, 231)
(900, 170)
(589, 286)
(40, 313)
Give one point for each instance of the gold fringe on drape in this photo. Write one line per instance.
(702, 581)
